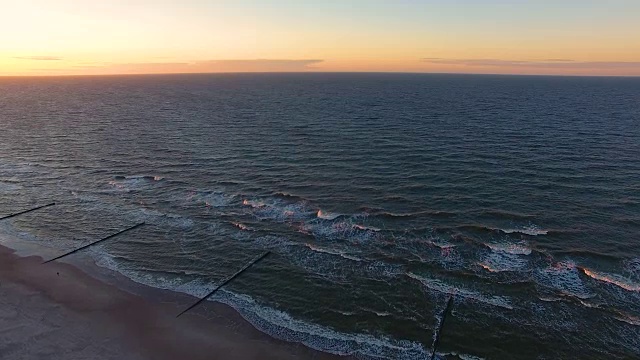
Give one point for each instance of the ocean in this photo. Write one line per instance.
(379, 196)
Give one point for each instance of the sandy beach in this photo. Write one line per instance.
(58, 311)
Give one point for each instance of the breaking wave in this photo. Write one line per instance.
(333, 252)
(510, 248)
(563, 277)
(614, 279)
(327, 215)
(439, 286)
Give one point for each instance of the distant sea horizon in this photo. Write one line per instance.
(323, 72)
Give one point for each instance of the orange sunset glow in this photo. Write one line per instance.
(67, 37)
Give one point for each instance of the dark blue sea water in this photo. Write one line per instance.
(378, 194)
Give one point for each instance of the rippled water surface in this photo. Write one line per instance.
(379, 195)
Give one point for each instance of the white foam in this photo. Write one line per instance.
(135, 182)
(614, 279)
(341, 230)
(564, 277)
(241, 226)
(278, 210)
(252, 203)
(327, 215)
(501, 262)
(531, 230)
(366, 228)
(439, 286)
(439, 243)
(333, 252)
(510, 248)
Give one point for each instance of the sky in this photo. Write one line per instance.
(84, 37)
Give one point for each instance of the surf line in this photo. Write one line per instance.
(226, 281)
(436, 337)
(95, 242)
(26, 211)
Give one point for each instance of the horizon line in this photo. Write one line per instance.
(316, 72)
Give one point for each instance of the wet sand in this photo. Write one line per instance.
(58, 311)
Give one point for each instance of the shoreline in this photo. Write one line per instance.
(97, 307)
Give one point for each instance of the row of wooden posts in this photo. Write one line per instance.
(226, 281)
(438, 330)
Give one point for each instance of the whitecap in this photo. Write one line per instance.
(325, 215)
(510, 248)
(241, 226)
(277, 210)
(366, 228)
(564, 277)
(614, 279)
(530, 230)
(500, 262)
(627, 318)
(333, 252)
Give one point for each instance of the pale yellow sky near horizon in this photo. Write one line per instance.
(83, 37)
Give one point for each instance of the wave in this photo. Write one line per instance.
(285, 195)
(531, 230)
(506, 214)
(441, 244)
(378, 212)
(333, 268)
(327, 215)
(503, 262)
(139, 177)
(278, 210)
(563, 277)
(549, 298)
(134, 182)
(627, 318)
(439, 286)
(253, 204)
(333, 252)
(565, 297)
(509, 248)
(381, 314)
(527, 230)
(366, 228)
(213, 199)
(615, 279)
(241, 226)
(341, 230)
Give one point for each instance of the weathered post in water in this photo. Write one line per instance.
(93, 243)
(26, 211)
(226, 281)
(436, 337)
